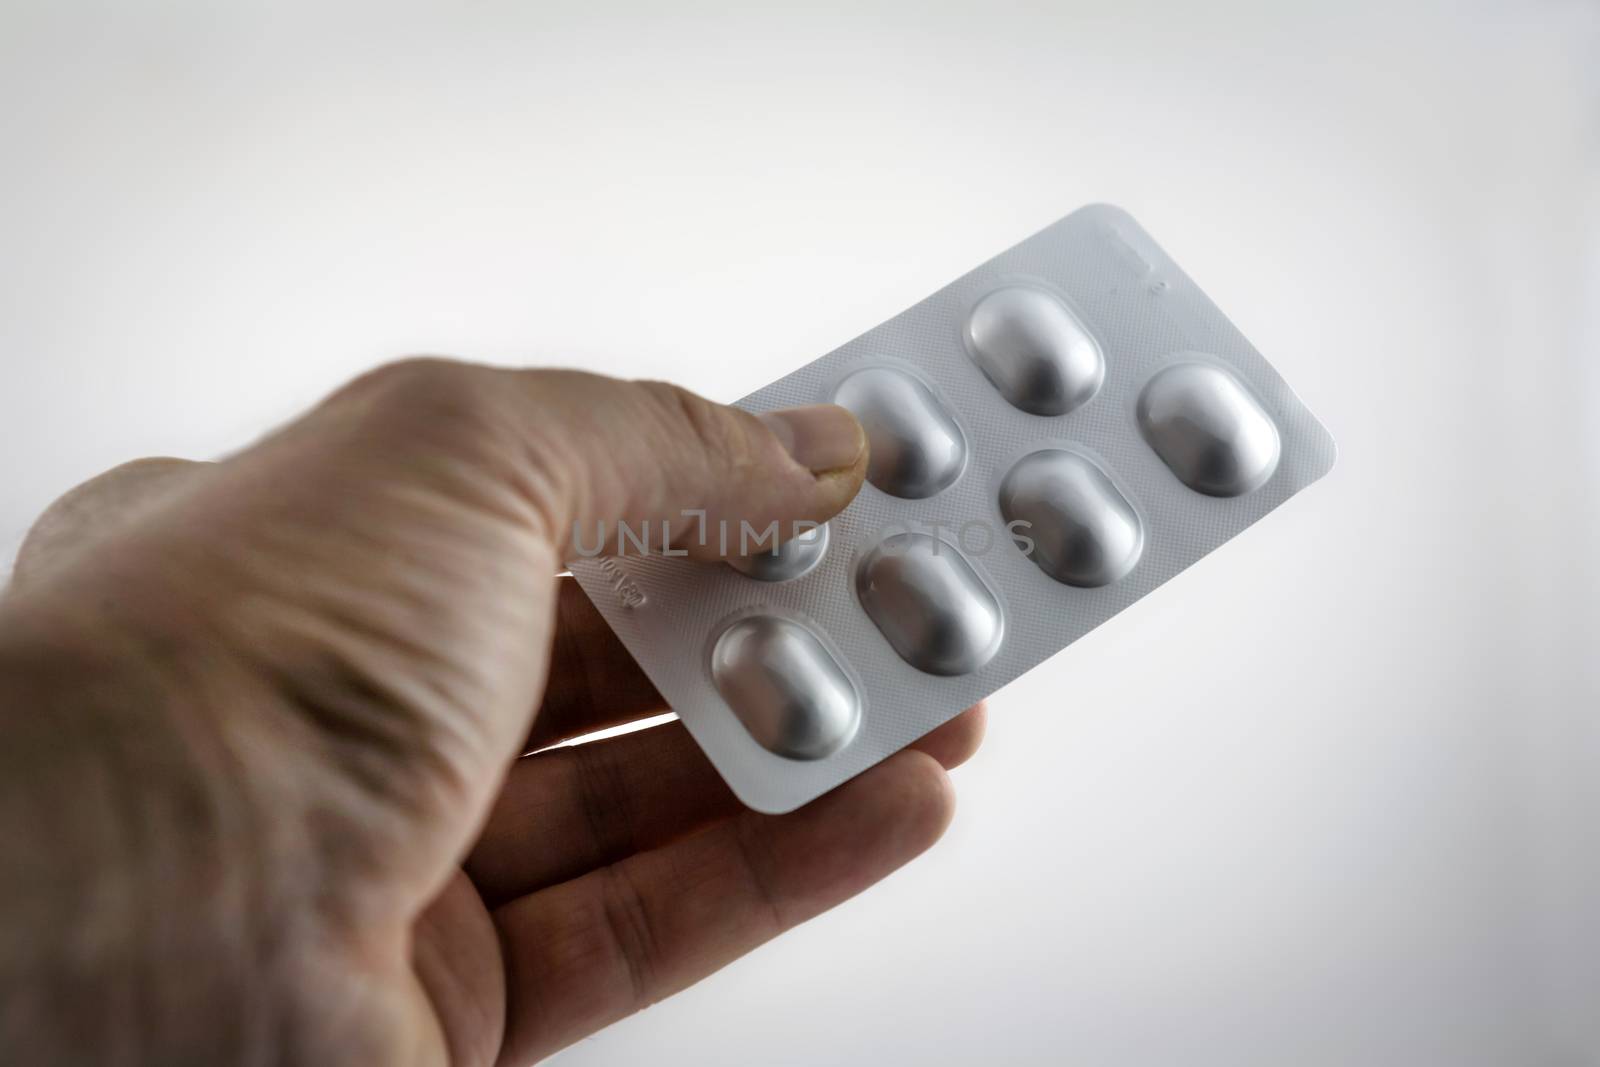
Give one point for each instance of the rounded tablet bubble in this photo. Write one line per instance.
(1208, 429)
(916, 447)
(791, 559)
(785, 687)
(1084, 531)
(1034, 350)
(930, 604)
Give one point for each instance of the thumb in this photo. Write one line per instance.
(589, 455)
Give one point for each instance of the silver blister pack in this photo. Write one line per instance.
(1053, 435)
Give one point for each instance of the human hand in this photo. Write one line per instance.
(259, 721)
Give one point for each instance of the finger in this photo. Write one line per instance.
(585, 953)
(594, 680)
(571, 810)
(98, 508)
(455, 953)
(954, 742)
(567, 811)
(586, 456)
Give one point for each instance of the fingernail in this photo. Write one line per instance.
(820, 437)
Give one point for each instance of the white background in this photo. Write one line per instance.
(1328, 798)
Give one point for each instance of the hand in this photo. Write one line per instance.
(259, 721)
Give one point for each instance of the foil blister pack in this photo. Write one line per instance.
(1053, 435)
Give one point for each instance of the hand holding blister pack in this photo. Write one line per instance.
(1052, 436)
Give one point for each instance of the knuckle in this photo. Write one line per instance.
(106, 502)
(420, 381)
(151, 467)
(603, 800)
(398, 376)
(756, 858)
(713, 429)
(628, 928)
(429, 400)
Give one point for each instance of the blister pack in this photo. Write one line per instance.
(1053, 435)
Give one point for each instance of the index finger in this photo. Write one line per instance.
(594, 681)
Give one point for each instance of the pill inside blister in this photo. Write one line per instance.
(1046, 401)
(790, 559)
(1208, 430)
(930, 604)
(1034, 350)
(785, 687)
(1083, 530)
(916, 448)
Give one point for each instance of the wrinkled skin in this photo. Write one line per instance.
(259, 723)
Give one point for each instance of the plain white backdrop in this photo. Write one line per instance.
(1330, 798)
